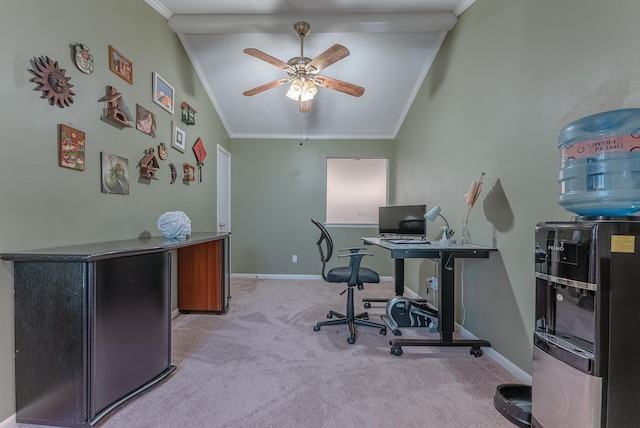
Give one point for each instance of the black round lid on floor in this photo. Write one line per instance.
(513, 401)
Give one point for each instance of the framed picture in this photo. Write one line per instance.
(163, 93)
(114, 173)
(120, 65)
(71, 147)
(179, 137)
(145, 121)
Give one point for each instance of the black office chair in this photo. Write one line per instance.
(352, 275)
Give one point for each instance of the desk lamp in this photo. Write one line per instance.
(434, 213)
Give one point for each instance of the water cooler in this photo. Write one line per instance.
(586, 354)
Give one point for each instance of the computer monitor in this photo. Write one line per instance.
(403, 220)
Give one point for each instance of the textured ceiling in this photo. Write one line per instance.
(392, 45)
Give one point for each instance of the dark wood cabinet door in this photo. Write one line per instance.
(200, 277)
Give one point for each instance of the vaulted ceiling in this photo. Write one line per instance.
(391, 45)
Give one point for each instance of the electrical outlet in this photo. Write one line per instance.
(294, 259)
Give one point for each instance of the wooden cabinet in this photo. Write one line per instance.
(93, 322)
(203, 277)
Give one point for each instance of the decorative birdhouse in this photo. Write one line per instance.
(188, 114)
(149, 164)
(188, 172)
(115, 109)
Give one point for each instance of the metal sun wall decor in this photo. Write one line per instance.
(51, 80)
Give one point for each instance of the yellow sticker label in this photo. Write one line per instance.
(623, 244)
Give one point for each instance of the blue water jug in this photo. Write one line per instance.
(600, 168)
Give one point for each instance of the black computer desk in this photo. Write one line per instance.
(446, 254)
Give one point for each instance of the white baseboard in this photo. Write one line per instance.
(284, 276)
(522, 376)
(273, 276)
(10, 422)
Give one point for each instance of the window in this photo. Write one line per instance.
(355, 190)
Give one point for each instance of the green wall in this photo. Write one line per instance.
(277, 187)
(509, 76)
(44, 205)
(507, 79)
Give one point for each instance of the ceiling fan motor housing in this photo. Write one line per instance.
(302, 28)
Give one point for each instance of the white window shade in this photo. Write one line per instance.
(355, 190)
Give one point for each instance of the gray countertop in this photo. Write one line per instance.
(106, 250)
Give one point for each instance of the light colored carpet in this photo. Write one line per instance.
(262, 365)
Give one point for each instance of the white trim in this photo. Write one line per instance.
(462, 6)
(314, 136)
(523, 376)
(419, 81)
(161, 9)
(283, 276)
(350, 22)
(10, 422)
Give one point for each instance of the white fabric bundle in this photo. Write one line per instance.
(174, 224)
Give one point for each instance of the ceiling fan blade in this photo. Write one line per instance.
(266, 86)
(334, 54)
(305, 106)
(339, 85)
(267, 58)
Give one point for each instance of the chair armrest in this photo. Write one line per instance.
(355, 258)
(353, 249)
(354, 254)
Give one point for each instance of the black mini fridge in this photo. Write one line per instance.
(586, 354)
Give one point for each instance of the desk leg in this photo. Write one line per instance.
(398, 284)
(399, 267)
(446, 297)
(446, 313)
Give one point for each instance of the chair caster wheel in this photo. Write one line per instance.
(383, 331)
(316, 328)
(476, 351)
(367, 305)
(396, 350)
(366, 318)
(329, 316)
(351, 340)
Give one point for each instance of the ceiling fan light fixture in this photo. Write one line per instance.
(309, 90)
(302, 71)
(296, 89)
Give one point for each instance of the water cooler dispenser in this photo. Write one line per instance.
(586, 354)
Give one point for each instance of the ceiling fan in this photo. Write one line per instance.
(303, 72)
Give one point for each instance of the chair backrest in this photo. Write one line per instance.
(325, 246)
